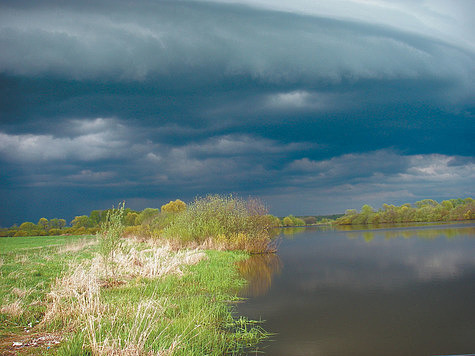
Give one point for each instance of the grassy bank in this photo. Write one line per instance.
(56, 299)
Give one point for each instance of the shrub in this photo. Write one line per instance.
(146, 216)
(110, 235)
(140, 231)
(226, 221)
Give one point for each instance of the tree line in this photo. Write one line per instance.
(87, 224)
(145, 223)
(427, 210)
(150, 221)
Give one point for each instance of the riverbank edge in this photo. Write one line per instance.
(195, 316)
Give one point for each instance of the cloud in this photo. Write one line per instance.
(192, 38)
(97, 139)
(352, 180)
(341, 101)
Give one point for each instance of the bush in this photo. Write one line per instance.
(110, 235)
(140, 231)
(224, 221)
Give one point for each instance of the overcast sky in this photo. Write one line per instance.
(314, 106)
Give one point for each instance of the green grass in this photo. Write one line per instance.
(28, 265)
(182, 314)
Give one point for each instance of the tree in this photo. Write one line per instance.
(95, 217)
(447, 204)
(57, 223)
(131, 218)
(27, 226)
(293, 221)
(287, 221)
(310, 220)
(61, 223)
(426, 202)
(80, 221)
(367, 209)
(173, 207)
(146, 216)
(43, 224)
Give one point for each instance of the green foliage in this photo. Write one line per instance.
(54, 232)
(310, 220)
(27, 226)
(292, 221)
(131, 218)
(427, 210)
(57, 223)
(146, 216)
(43, 224)
(80, 221)
(173, 207)
(224, 220)
(110, 234)
(95, 217)
(274, 221)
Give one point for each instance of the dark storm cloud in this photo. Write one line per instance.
(147, 101)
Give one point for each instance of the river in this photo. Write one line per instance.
(356, 291)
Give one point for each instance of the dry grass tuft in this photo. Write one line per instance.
(77, 297)
(74, 296)
(21, 293)
(155, 262)
(138, 333)
(13, 309)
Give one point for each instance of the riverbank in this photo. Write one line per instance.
(56, 298)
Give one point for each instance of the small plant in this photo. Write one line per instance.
(110, 236)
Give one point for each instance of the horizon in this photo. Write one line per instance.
(313, 108)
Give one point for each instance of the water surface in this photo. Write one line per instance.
(390, 291)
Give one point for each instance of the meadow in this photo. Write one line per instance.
(57, 298)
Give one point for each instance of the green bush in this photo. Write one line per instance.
(226, 221)
(140, 231)
(110, 235)
(293, 221)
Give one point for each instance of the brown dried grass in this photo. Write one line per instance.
(14, 309)
(75, 299)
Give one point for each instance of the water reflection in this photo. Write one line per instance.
(259, 271)
(403, 291)
(421, 233)
(290, 232)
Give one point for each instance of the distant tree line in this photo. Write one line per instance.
(427, 210)
(89, 224)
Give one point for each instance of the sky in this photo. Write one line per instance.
(313, 106)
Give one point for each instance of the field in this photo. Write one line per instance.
(58, 298)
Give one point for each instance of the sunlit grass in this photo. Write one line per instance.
(160, 302)
(28, 268)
